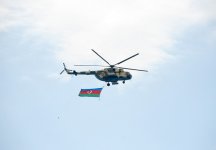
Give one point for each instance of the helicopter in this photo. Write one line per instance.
(110, 74)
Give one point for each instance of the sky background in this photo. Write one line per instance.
(170, 107)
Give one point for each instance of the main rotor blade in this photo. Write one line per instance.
(132, 69)
(126, 59)
(92, 65)
(101, 57)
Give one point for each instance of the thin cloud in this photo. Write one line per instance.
(116, 29)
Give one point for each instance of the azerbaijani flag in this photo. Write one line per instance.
(90, 92)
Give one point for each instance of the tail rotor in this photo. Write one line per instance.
(67, 70)
(63, 69)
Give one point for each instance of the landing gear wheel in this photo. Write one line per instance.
(123, 82)
(108, 84)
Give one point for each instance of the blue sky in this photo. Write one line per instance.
(170, 107)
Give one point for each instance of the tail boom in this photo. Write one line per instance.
(74, 72)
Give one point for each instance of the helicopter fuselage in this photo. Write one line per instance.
(112, 75)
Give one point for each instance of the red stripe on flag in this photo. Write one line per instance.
(90, 92)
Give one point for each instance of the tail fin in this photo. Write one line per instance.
(65, 69)
(68, 70)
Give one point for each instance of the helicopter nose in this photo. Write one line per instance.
(129, 76)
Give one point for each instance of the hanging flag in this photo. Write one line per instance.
(90, 92)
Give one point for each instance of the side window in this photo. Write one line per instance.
(110, 70)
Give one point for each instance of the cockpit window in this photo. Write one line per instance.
(110, 70)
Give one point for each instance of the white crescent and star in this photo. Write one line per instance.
(89, 92)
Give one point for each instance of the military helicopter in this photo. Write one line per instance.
(110, 74)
